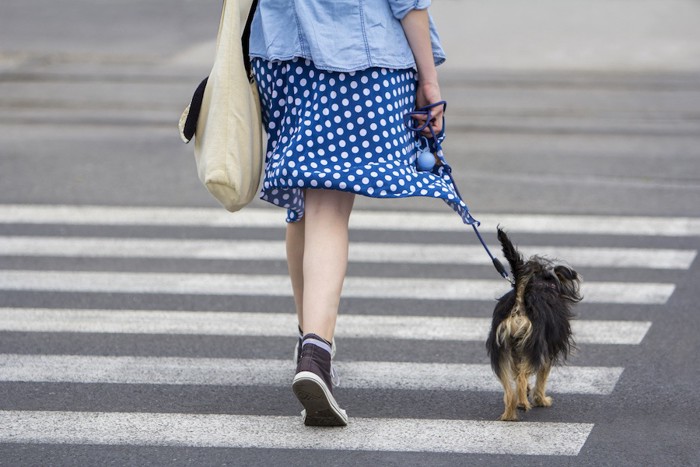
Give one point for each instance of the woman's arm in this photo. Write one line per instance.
(416, 26)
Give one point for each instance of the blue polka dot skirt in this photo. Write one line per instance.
(342, 131)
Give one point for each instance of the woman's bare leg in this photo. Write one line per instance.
(325, 258)
(295, 264)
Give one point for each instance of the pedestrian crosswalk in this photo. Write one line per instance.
(465, 375)
(363, 434)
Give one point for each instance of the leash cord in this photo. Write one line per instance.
(425, 111)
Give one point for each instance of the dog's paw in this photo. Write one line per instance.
(524, 406)
(509, 417)
(545, 401)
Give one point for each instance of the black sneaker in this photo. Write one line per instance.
(335, 376)
(314, 388)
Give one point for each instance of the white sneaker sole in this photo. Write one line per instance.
(320, 407)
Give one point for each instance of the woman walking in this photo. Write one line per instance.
(336, 79)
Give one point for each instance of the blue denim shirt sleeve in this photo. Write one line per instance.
(400, 8)
(337, 35)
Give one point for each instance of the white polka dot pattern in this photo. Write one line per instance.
(341, 131)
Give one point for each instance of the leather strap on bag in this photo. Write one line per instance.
(245, 40)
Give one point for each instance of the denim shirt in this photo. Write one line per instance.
(338, 35)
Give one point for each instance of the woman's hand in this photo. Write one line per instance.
(429, 93)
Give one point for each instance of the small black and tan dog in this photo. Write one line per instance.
(531, 328)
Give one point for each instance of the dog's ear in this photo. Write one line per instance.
(570, 282)
(515, 259)
(565, 273)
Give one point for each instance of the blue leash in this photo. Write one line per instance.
(437, 146)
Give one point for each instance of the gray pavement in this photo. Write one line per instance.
(556, 108)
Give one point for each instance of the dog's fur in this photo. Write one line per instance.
(531, 328)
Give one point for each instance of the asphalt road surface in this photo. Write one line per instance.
(142, 324)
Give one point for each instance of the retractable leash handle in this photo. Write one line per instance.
(437, 144)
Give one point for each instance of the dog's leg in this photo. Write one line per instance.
(510, 413)
(523, 372)
(506, 376)
(540, 399)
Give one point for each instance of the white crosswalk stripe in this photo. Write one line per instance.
(369, 434)
(258, 372)
(280, 324)
(372, 220)
(282, 432)
(359, 252)
(278, 285)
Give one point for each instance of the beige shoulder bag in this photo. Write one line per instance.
(224, 115)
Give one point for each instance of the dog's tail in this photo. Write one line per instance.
(515, 259)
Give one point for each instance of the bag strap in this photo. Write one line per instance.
(245, 41)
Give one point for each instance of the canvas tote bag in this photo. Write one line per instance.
(228, 137)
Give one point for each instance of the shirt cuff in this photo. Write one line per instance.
(401, 8)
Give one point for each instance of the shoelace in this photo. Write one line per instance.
(335, 376)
